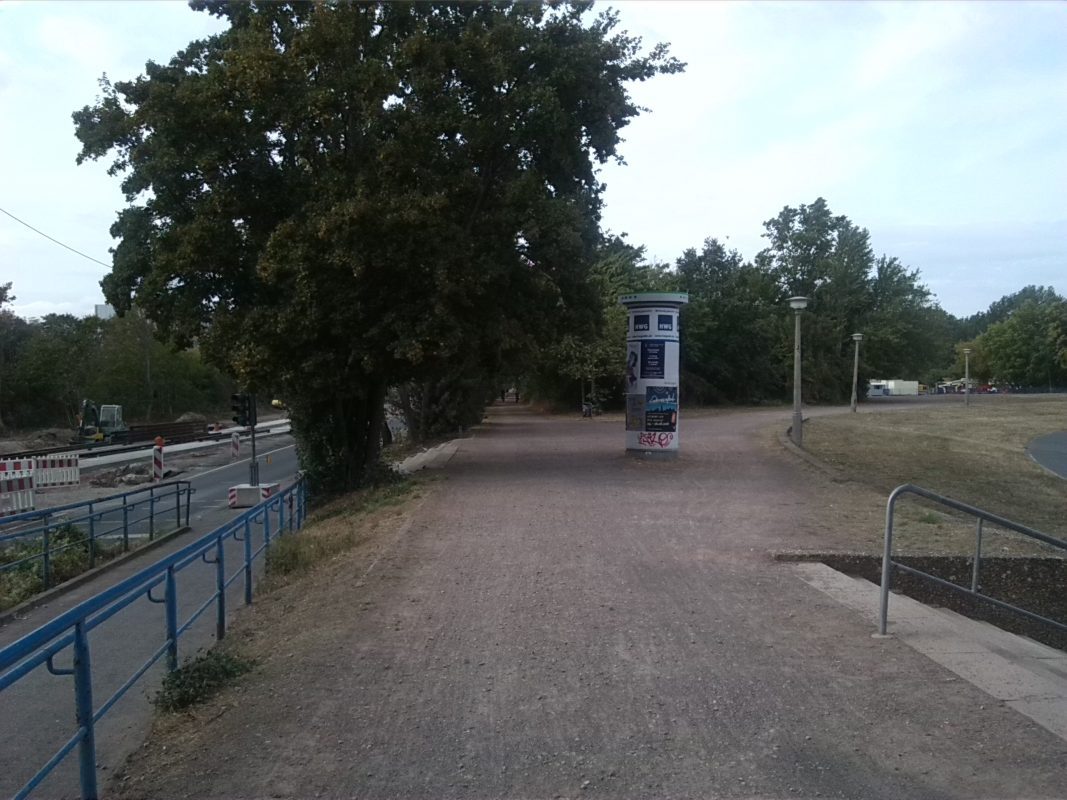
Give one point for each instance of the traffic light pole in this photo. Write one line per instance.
(253, 465)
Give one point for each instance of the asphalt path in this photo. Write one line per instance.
(1050, 451)
(37, 714)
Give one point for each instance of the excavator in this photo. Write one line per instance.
(103, 425)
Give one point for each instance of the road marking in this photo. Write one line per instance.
(243, 461)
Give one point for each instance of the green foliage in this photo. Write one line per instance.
(338, 198)
(55, 362)
(200, 679)
(1029, 346)
(69, 546)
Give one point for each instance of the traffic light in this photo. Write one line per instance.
(242, 409)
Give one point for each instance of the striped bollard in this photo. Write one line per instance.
(157, 463)
(235, 445)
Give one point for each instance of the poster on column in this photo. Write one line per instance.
(653, 355)
(635, 412)
(661, 408)
(632, 360)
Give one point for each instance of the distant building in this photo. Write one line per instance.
(104, 311)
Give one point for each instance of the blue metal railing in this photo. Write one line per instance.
(288, 509)
(143, 512)
(974, 590)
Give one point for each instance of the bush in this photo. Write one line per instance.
(199, 679)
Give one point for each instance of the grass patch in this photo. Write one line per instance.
(199, 679)
(976, 455)
(69, 546)
(331, 531)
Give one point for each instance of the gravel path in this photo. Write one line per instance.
(555, 619)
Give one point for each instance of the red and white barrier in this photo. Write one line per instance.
(245, 495)
(235, 445)
(15, 465)
(157, 463)
(62, 470)
(16, 492)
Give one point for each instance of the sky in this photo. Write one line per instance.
(941, 127)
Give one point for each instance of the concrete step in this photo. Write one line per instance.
(1024, 674)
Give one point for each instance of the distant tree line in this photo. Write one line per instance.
(737, 330)
(49, 365)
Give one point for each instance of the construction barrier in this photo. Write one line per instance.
(15, 465)
(235, 445)
(157, 463)
(246, 495)
(16, 492)
(61, 470)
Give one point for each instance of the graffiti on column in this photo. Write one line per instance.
(655, 439)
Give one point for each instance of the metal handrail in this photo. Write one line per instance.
(55, 518)
(982, 516)
(44, 513)
(72, 628)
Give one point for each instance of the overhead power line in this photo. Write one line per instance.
(49, 238)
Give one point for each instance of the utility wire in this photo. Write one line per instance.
(45, 235)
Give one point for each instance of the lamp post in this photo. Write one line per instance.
(966, 376)
(857, 338)
(798, 304)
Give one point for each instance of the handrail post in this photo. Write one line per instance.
(125, 525)
(188, 497)
(151, 513)
(220, 586)
(248, 562)
(92, 539)
(977, 555)
(46, 567)
(281, 516)
(172, 620)
(266, 528)
(883, 611)
(83, 702)
(178, 505)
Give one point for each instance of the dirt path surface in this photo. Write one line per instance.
(554, 619)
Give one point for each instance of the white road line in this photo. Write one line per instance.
(242, 461)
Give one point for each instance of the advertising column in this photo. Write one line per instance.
(652, 372)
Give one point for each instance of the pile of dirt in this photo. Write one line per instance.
(126, 475)
(191, 416)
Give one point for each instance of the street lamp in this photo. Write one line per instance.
(798, 304)
(966, 376)
(857, 338)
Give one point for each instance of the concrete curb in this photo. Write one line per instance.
(833, 473)
(78, 580)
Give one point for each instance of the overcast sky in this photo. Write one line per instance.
(940, 127)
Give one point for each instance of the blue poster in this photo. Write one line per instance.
(640, 322)
(665, 322)
(661, 408)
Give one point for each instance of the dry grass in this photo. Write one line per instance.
(976, 455)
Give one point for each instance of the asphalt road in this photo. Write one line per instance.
(1050, 451)
(37, 714)
(560, 620)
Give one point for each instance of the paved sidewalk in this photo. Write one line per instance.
(560, 620)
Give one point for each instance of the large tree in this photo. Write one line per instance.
(334, 198)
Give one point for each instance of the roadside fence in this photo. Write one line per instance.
(69, 634)
(50, 545)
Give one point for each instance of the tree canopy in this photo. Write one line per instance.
(338, 198)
